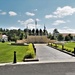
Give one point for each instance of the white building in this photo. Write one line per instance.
(5, 37)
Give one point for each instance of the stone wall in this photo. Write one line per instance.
(37, 39)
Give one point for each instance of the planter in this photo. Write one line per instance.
(30, 60)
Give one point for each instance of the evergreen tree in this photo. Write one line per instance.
(37, 31)
(40, 32)
(67, 38)
(60, 37)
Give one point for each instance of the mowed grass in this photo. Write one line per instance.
(69, 46)
(7, 52)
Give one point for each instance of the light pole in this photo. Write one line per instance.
(35, 26)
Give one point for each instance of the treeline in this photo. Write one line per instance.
(60, 37)
(19, 34)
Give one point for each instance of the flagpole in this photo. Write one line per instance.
(35, 26)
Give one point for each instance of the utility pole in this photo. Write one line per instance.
(35, 26)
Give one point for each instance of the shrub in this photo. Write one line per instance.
(28, 55)
(3, 41)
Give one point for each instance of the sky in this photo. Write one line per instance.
(59, 14)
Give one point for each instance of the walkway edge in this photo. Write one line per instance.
(40, 62)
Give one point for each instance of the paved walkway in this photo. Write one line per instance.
(46, 53)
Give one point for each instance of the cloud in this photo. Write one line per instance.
(35, 9)
(37, 19)
(65, 11)
(13, 28)
(30, 23)
(3, 13)
(12, 13)
(63, 30)
(62, 12)
(29, 14)
(67, 30)
(50, 16)
(58, 22)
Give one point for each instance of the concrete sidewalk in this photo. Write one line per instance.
(46, 53)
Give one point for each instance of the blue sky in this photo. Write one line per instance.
(60, 14)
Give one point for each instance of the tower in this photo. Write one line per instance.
(35, 24)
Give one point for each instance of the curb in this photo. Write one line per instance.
(40, 62)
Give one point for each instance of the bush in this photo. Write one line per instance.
(28, 55)
(3, 41)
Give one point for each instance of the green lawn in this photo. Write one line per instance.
(7, 51)
(69, 46)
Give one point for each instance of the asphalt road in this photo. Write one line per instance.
(66, 68)
(46, 53)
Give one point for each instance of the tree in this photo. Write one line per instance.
(49, 35)
(55, 33)
(25, 31)
(21, 36)
(71, 37)
(67, 38)
(52, 38)
(33, 31)
(37, 31)
(29, 31)
(60, 37)
(18, 32)
(40, 32)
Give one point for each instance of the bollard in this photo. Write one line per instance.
(62, 47)
(74, 50)
(55, 45)
(14, 61)
(51, 44)
(33, 45)
(35, 50)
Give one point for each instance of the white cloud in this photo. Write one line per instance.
(50, 30)
(35, 9)
(37, 19)
(31, 26)
(50, 16)
(29, 14)
(30, 23)
(3, 13)
(65, 11)
(65, 27)
(67, 30)
(63, 30)
(13, 28)
(12, 13)
(58, 22)
(62, 12)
